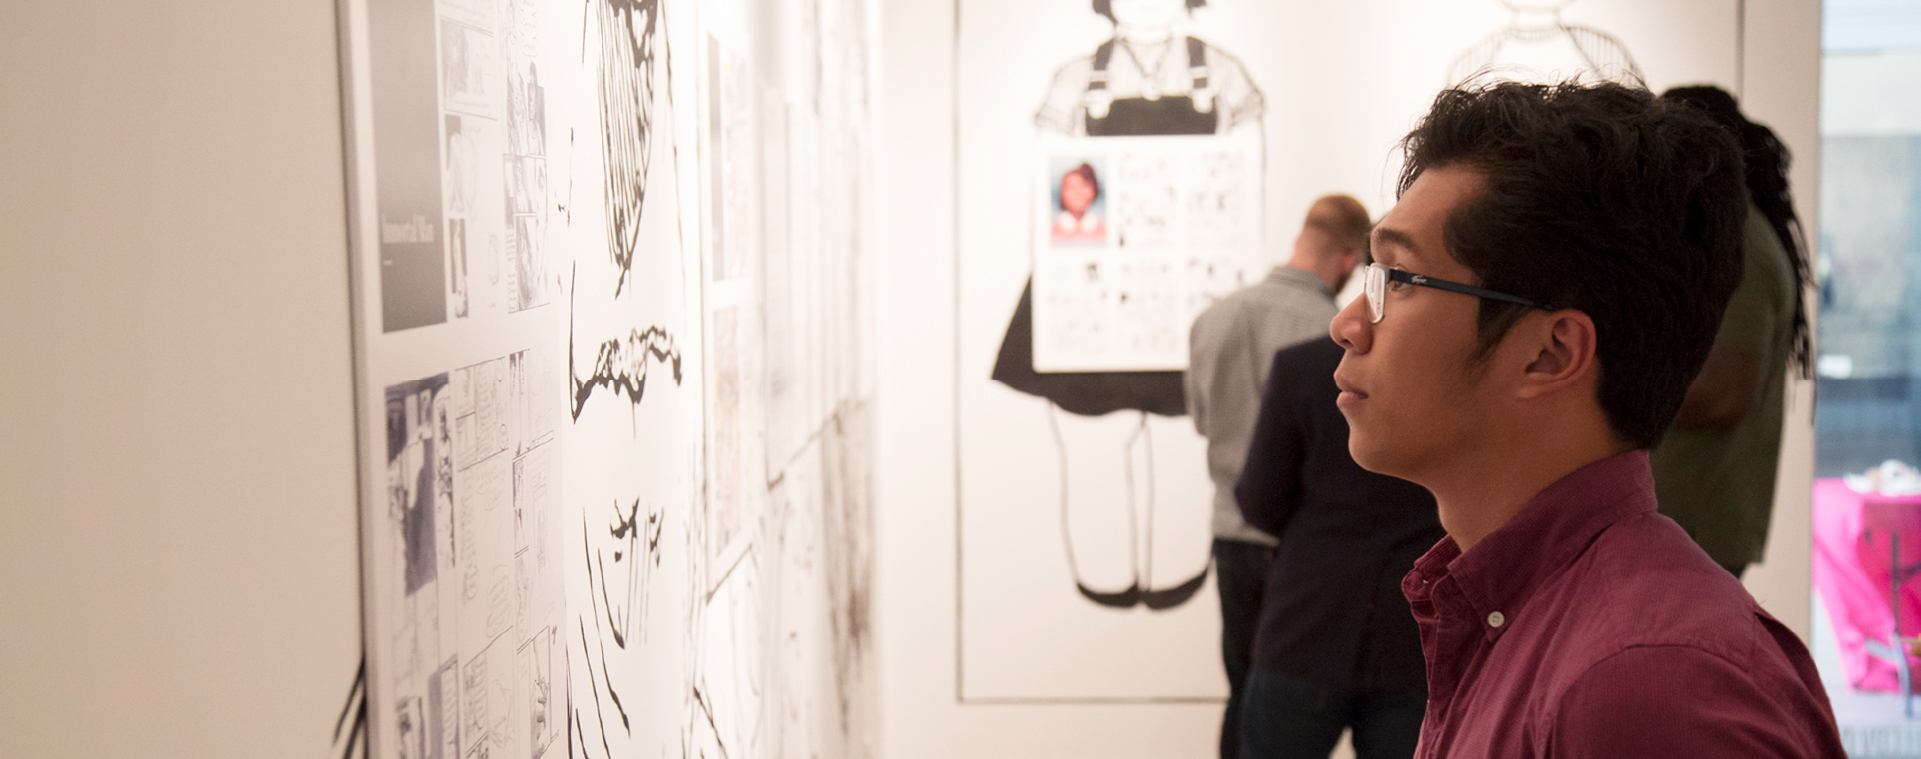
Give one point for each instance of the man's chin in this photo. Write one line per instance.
(1359, 451)
(1368, 456)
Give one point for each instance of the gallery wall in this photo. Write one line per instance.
(988, 649)
(179, 469)
(178, 472)
(661, 547)
(611, 273)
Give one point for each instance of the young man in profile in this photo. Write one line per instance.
(1549, 283)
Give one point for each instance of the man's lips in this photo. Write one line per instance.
(1349, 393)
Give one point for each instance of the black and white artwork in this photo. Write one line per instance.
(559, 210)
(611, 352)
(469, 69)
(627, 71)
(530, 277)
(1133, 148)
(464, 143)
(1134, 237)
(470, 554)
(1539, 45)
(1100, 329)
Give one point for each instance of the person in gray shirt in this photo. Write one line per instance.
(1232, 345)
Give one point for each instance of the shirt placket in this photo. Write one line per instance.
(1458, 639)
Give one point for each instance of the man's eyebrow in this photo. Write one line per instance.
(1387, 236)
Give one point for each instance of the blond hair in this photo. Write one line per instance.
(1342, 221)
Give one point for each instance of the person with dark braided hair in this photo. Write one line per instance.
(1715, 471)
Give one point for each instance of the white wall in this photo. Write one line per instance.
(176, 421)
(1781, 82)
(917, 509)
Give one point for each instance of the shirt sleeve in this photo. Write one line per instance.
(1225, 384)
(1269, 490)
(1061, 110)
(1192, 380)
(1238, 98)
(1672, 701)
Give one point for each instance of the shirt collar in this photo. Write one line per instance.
(1285, 274)
(1547, 534)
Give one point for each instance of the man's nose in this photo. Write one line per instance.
(1351, 327)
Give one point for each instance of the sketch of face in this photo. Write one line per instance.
(1137, 16)
(1076, 194)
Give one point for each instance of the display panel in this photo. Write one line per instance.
(576, 540)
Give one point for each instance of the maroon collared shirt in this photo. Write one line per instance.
(1591, 626)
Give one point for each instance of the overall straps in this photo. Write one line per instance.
(1097, 79)
(1196, 62)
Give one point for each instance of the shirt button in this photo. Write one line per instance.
(1496, 619)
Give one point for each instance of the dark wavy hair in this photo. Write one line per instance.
(1604, 199)
(1106, 7)
(1767, 179)
(1086, 173)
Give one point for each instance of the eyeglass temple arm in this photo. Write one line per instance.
(1442, 284)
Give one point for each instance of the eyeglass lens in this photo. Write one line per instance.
(1376, 288)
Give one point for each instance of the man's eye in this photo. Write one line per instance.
(1395, 287)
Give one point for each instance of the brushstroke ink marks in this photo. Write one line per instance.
(621, 548)
(350, 728)
(628, 30)
(621, 364)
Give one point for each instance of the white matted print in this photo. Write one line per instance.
(1135, 236)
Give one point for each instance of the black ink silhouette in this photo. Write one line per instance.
(631, 544)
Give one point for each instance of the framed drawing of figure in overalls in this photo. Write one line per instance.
(1151, 78)
(1538, 46)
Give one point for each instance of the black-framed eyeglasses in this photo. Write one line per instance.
(1379, 277)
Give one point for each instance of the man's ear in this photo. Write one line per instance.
(1561, 347)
